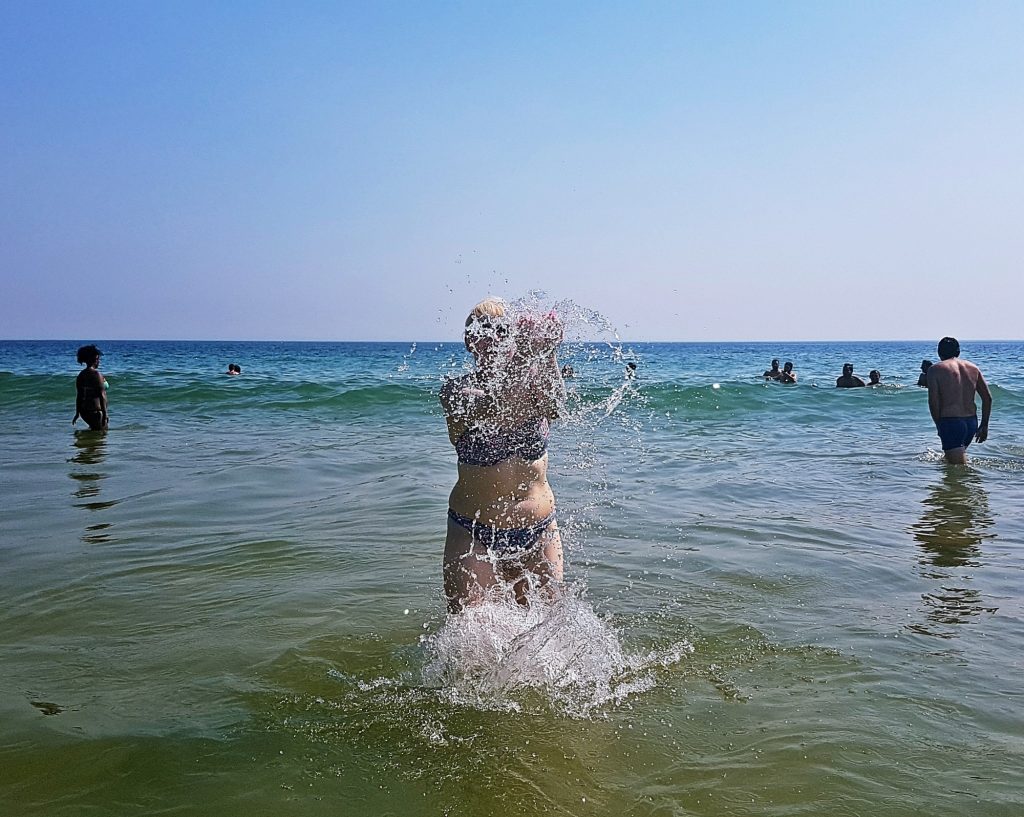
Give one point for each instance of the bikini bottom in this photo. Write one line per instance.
(96, 420)
(504, 542)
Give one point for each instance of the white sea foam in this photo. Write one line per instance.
(557, 653)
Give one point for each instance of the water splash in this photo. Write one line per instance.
(602, 406)
(403, 367)
(552, 654)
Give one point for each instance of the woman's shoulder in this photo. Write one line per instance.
(452, 381)
(89, 377)
(455, 385)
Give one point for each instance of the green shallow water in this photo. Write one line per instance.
(230, 604)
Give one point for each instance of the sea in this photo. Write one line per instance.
(779, 600)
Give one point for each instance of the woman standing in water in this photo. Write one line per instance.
(502, 531)
(91, 401)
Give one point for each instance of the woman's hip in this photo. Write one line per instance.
(503, 541)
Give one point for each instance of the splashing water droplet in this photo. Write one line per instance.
(502, 656)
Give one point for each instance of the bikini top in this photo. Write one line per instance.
(489, 446)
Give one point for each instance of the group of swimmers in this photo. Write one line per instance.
(952, 384)
(502, 535)
(783, 375)
(847, 380)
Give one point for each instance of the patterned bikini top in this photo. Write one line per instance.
(489, 446)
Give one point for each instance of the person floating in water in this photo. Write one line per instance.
(848, 380)
(922, 379)
(787, 375)
(952, 384)
(874, 378)
(91, 399)
(774, 372)
(501, 513)
(233, 369)
(630, 370)
(568, 372)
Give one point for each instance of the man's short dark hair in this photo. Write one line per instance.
(88, 354)
(949, 347)
(847, 367)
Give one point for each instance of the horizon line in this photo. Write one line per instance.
(459, 342)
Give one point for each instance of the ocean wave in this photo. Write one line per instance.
(163, 390)
(369, 393)
(743, 397)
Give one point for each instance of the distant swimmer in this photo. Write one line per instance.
(630, 370)
(773, 373)
(787, 375)
(502, 531)
(922, 379)
(952, 384)
(848, 380)
(91, 400)
(568, 372)
(874, 378)
(234, 368)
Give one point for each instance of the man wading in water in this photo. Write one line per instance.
(952, 384)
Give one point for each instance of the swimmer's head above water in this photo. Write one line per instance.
(949, 348)
(493, 331)
(89, 355)
(486, 327)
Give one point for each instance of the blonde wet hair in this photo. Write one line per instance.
(487, 308)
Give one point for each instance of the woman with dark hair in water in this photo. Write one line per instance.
(91, 401)
(502, 531)
(922, 379)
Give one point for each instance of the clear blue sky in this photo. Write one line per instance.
(694, 171)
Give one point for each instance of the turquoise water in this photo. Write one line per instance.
(782, 601)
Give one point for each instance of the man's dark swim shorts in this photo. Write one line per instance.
(957, 432)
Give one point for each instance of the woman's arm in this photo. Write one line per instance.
(103, 400)
(464, 405)
(549, 388)
(537, 350)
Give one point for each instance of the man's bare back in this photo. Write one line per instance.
(956, 382)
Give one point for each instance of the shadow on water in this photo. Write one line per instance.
(954, 523)
(88, 474)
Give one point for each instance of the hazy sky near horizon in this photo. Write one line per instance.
(368, 171)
